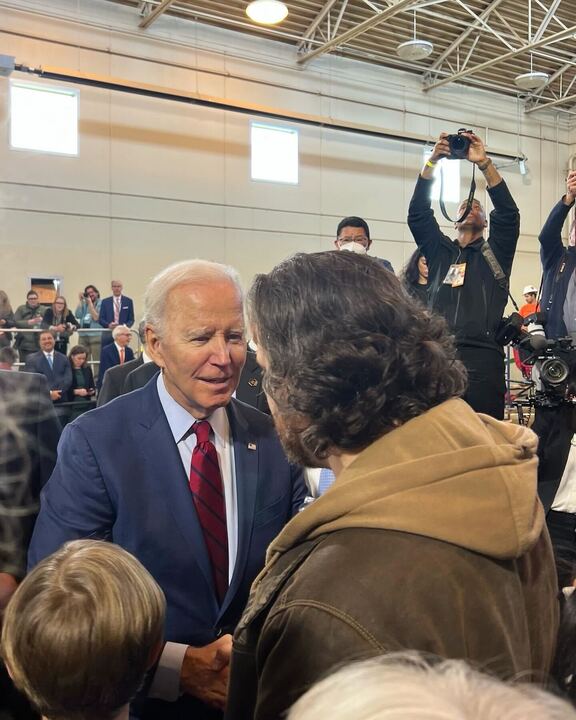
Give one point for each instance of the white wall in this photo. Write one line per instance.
(158, 181)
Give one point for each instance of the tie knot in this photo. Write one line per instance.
(202, 429)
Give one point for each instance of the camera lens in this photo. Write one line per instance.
(554, 371)
(459, 143)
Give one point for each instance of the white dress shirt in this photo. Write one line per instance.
(166, 683)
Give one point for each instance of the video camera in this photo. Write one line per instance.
(553, 360)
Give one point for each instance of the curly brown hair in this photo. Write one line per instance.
(349, 355)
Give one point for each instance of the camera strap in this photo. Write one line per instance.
(496, 268)
(469, 201)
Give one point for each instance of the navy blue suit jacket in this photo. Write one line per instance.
(59, 377)
(119, 477)
(107, 311)
(109, 357)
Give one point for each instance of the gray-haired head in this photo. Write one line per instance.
(405, 686)
(182, 273)
(120, 330)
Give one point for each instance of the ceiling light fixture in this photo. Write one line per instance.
(267, 12)
(533, 80)
(414, 49)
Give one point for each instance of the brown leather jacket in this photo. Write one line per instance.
(432, 539)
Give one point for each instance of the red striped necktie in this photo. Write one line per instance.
(208, 493)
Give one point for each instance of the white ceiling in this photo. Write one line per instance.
(485, 43)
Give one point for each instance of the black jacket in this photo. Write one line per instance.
(558, 264)
(27, 456)
(89, 384)
(475, 309)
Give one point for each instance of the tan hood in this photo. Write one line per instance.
(450, 474)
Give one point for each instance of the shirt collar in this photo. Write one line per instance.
(180, 420)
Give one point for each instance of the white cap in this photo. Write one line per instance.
(530, 289)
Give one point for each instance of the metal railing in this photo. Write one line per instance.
(77, 331)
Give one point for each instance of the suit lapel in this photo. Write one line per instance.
(165, 466)
(246, 455)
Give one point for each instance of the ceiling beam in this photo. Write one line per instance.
(551, 104)
(158, 10)
(503, 58)
(552, 78)
(546, 20)
(398, 7)
(471, 28)
(311, 29)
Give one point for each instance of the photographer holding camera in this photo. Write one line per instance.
(87, 313)
(463, 285)
(556, 425)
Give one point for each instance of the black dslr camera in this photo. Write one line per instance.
(459, 145)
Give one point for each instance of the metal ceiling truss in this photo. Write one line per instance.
(327, 28)
(485, 43)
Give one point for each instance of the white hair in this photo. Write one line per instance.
(404, 686)
(182, 273)
(120, 329)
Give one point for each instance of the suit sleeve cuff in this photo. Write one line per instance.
(166, 682)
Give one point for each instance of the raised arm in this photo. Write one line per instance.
(551, 246)
(505, 218)
(421, 221)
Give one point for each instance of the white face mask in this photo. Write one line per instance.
(354, 247)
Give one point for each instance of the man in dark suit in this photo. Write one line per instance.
(29, 434)
(117, 353)
(113, 382)
(250, 385)
(53, 365)
(192, 482)
(115, 310)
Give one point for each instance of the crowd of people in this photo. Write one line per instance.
(333, 522)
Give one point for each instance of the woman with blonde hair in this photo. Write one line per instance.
(62, 323)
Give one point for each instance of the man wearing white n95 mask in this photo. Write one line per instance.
(353, 234)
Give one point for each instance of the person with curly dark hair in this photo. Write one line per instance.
(432, 536)
(414, 277)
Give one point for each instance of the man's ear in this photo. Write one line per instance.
(336, 244)
(154, 346)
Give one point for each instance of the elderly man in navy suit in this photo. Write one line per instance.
(53, 365)
(117, 353)
(191, 481)
(117, 309)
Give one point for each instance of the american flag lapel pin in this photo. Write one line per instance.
(251, 446)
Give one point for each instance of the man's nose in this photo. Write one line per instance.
(220, 351)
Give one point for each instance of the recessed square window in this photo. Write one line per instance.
(274, 153)
(43, 118)
(450, 170)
